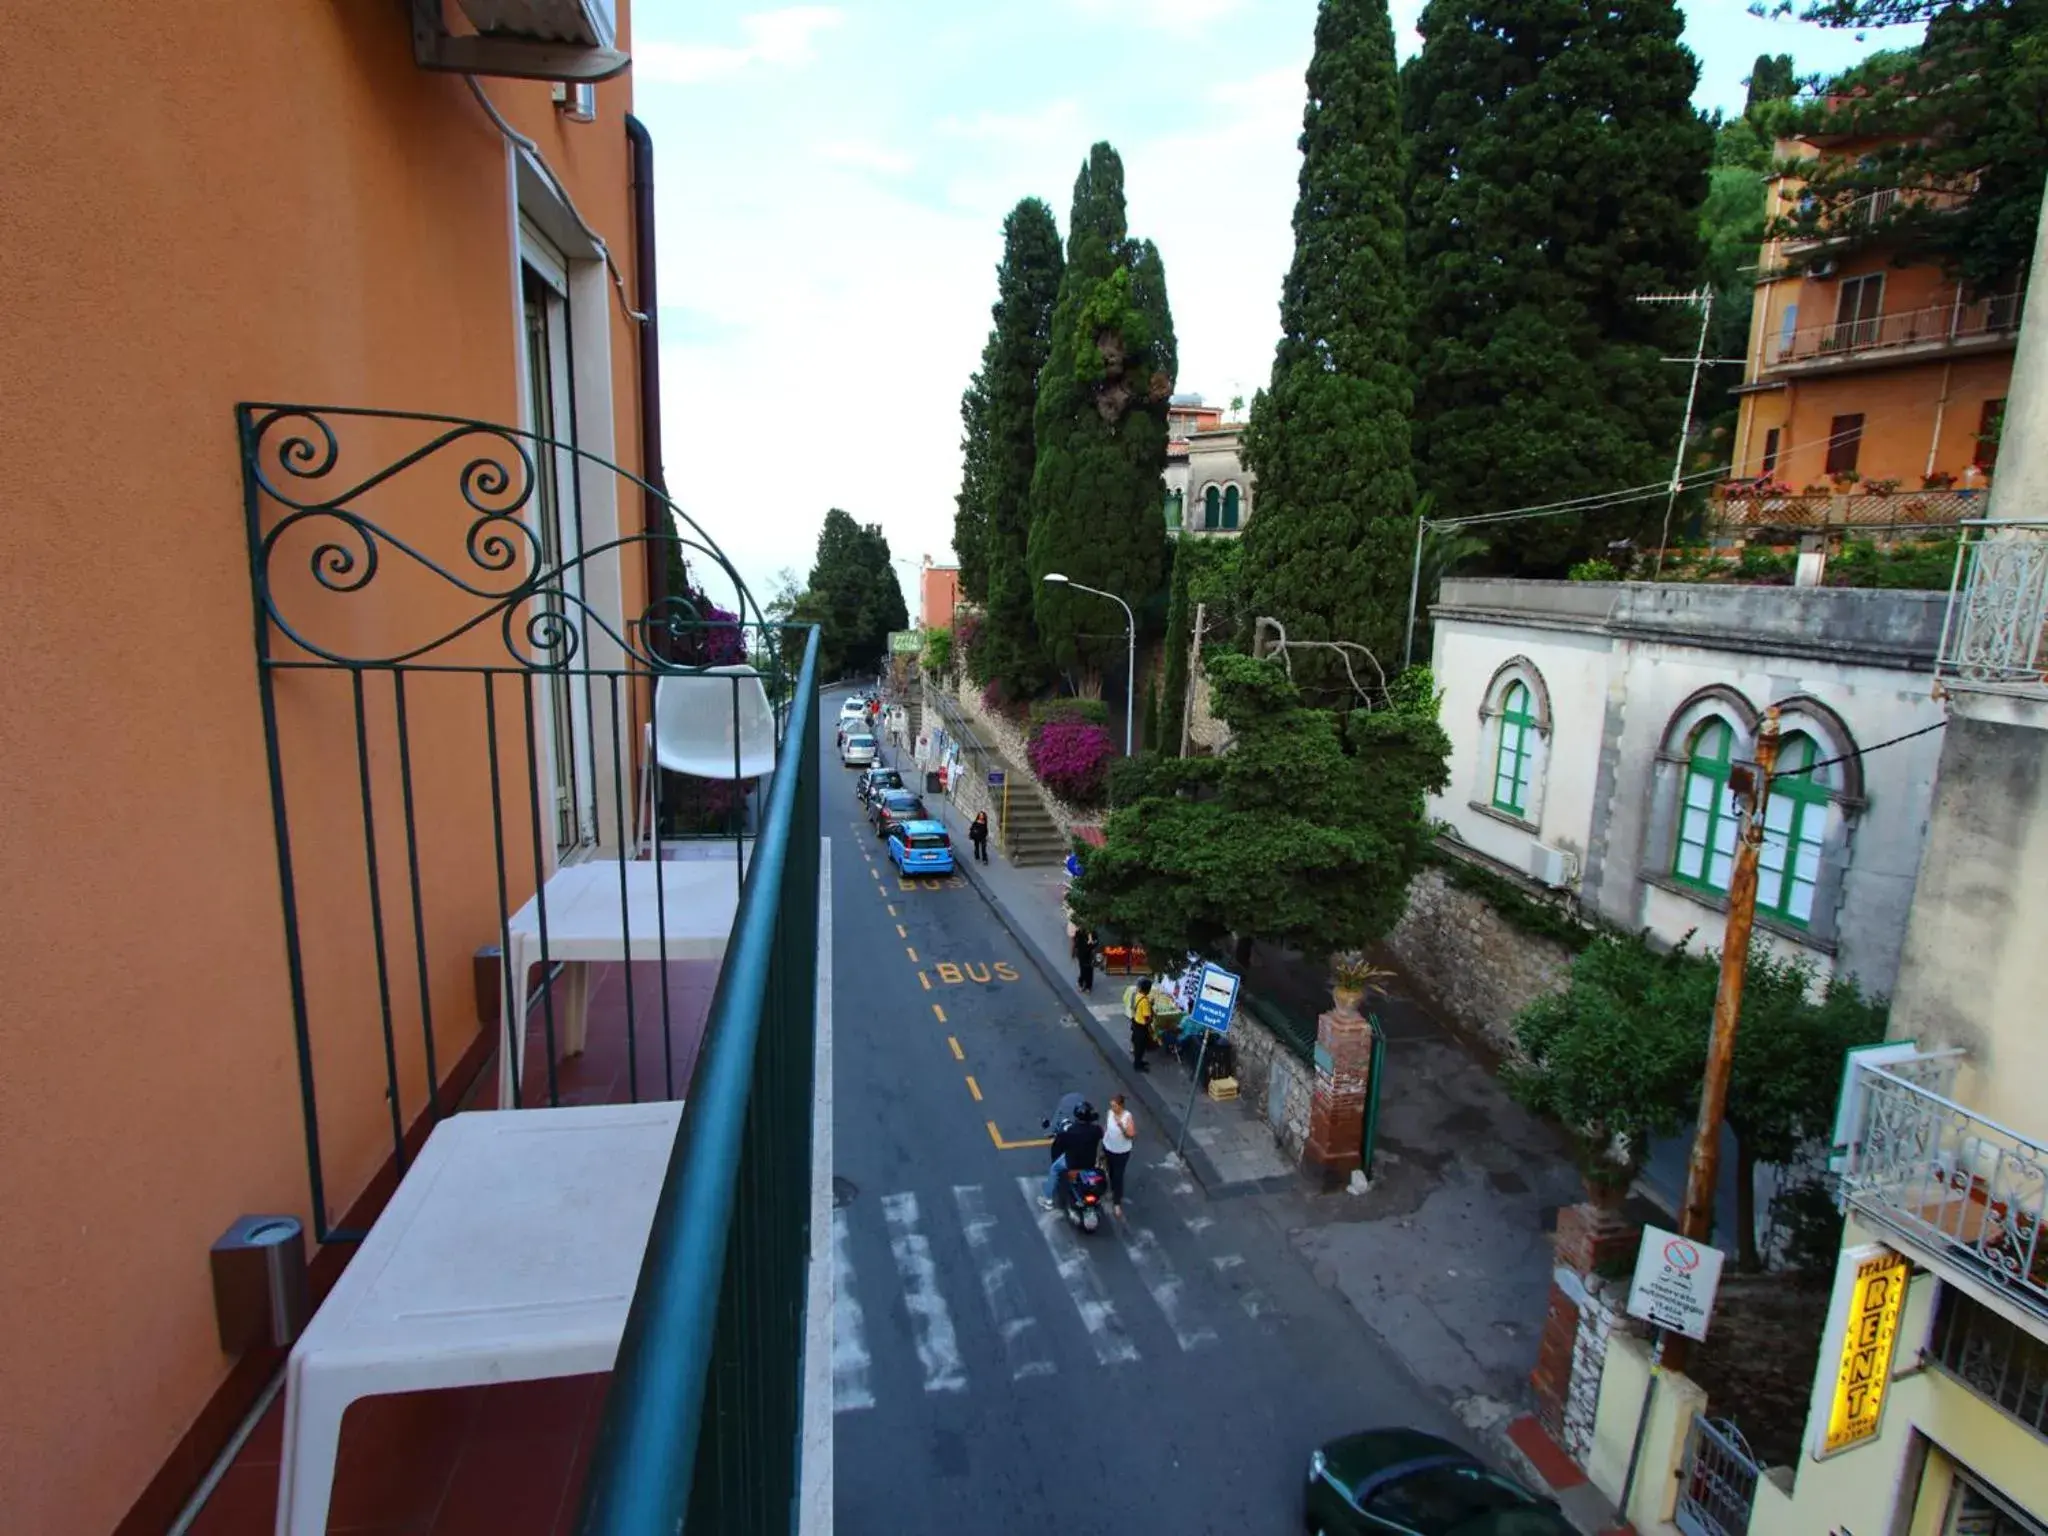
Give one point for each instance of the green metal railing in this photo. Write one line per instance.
(702, 1424)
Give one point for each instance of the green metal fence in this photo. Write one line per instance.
(702, 1425)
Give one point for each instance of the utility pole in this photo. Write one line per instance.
(1422, 526)
(1751, 786)
(1187, 703)
(1704, 298)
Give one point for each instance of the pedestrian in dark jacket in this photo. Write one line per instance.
(977, 834)
(1084, 959)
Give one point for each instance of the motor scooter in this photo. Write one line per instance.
(1081, 1192)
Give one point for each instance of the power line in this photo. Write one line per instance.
(1793, 773)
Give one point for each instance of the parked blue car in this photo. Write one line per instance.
(920, 848)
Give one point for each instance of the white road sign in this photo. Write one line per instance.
(1675, 1283)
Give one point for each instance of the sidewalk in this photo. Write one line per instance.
(1228, 1150)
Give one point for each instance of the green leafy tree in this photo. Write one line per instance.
(1617, 1058)
(1771, 78)
(1305, 833)
(1101, 427)
(1328, 553)
(853, 594)
(1966, 118)
(1002, 447)
(970, 503)
(1556, 175)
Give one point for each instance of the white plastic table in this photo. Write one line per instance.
(699, 899)
(508, 1253)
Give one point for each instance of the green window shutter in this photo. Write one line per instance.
(1230, 505)
(1795, 823)
(1175, 502)
(1212, 515)
(1707, 820)
(1512, 756)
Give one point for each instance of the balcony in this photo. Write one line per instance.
(456, 715)
(1996, 636)
(1963, 1190)
(1878, 340)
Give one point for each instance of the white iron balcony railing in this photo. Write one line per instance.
(1996, 634)
(1983, 320)
(1961, 1187)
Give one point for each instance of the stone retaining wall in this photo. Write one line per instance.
(1262, 1062)
(1470, 965)
(1002, 736)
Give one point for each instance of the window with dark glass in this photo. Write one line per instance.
(1770, 452)
(1845, 444)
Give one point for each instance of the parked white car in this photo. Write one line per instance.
(857, 751)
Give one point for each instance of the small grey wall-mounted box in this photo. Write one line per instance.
(259, 1283)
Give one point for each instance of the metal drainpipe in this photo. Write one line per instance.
(655, 521)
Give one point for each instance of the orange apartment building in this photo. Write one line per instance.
(213, 204)
(938, 594)
(1860, 368)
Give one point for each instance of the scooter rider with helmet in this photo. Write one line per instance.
(1075, 1144)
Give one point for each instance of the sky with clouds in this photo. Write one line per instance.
(831, 184)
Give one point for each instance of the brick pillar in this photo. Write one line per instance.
(1336, 1117)
(1588, 1238)
(1552, 1378)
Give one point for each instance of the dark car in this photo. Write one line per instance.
(888, 806)
(876, 780)
(1402, 1482)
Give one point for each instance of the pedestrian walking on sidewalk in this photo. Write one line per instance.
(1118, 1133)
(1138, 1007)
(1084, 959)
(977, 834)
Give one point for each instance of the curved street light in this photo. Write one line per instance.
(1058, 579)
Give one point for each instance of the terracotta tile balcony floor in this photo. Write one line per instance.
(506, 1460)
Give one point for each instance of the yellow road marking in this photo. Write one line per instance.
(958, 1054)
(996, 1136)
(901, 933)
(910, 952)
(926, 980)
(974, 1088)
(940, 1012)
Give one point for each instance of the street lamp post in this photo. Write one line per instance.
(1131, 653)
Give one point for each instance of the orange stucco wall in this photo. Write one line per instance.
(1905, 420)
(940, 595)
(202, 204)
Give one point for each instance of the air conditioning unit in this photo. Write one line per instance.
(585, 23)
(1550, 866)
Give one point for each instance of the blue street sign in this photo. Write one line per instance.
(1215, 997)
(1073, 867)
(995, 778)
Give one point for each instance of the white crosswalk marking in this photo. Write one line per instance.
(1084, 1287)
(937, 1347)
(1163, 1281)
(1251, 1299)
(1200, 1224)
(1022, 1344)
(850, 1388)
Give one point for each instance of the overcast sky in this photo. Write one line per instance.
(832, 181)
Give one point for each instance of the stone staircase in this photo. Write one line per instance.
(1030, 836)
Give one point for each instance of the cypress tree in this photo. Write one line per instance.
(1327, 550)
(1557, 172)
(970, 504)
(1002, 446)
(1101, 423)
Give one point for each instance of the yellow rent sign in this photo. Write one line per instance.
(1877, 1298)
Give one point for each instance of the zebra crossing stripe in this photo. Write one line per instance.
(1018, 1329)
(1164, 1282)
(850, 1387)
(938, 1350)
(1084, 1287)
(1252, 1299)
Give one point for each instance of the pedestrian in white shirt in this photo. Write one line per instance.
(1119, 1131)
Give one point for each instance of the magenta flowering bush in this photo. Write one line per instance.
(1071, 758)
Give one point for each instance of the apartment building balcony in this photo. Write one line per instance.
(1885, 340)
(471, 747)
(1995, 639)
(1963, 1193)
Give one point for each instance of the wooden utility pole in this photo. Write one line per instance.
(1751, 787)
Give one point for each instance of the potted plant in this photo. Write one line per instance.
(1940, 480)
(1352, 975)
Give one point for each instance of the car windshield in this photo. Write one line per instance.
(1454, 1501)
(928, 840)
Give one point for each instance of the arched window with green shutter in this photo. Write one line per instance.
(1175, 504)
(1231, 502)
(1212, 508)
(1707, 819)
(1512, 756)
(1795, 825)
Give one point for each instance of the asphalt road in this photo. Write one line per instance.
(996, 1373)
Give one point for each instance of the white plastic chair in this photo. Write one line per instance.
(696, 718)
